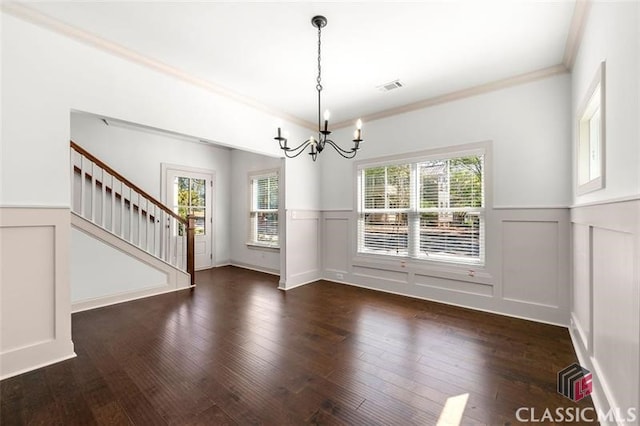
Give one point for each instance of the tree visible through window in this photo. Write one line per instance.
(190, 196)
(264, 210)
(432, 209)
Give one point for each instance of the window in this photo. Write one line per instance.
(189, 196)
(591, 135)
(264, 209)
(429, 209)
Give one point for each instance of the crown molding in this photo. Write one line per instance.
(576, 31)
(25, 13)
(461, 94)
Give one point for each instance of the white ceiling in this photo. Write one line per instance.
(267, 51)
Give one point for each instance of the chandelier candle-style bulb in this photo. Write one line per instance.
(327, 114)
(317, 146)
(313, 144)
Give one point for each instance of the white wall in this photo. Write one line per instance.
(605, 224)
(138, 155)
(528, 124)
(611, 35)
(46, 75)
(243, 163)
(119, 272)
(527, 219)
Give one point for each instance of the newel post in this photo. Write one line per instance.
(191, 234)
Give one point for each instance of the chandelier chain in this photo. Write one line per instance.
(317, 145)
(319, 79)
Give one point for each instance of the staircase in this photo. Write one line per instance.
(113, 210)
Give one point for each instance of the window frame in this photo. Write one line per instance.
(434, 262)
(252, 177)
(593, 103)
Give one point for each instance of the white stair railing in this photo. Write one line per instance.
(109, 200)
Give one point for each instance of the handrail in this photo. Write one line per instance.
(127, 182)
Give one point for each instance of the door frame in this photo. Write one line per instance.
(165, 168)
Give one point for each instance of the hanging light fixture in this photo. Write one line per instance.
(318, 144)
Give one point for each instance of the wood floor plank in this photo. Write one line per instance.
(237, 350)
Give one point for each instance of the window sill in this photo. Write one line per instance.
(474, 273)
(265, 247)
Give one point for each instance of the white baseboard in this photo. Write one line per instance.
(35, 367)
(121, 298)
(282, 287)
(599, 393)
(253, 268)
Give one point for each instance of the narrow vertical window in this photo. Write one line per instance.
(189, 195)
(591, 136)
(263, 217)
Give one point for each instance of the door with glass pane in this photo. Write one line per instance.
(190, 193)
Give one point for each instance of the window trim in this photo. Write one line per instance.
(251, 177)
(596, 90)
(443, 265)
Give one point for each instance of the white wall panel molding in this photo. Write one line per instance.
(541, 207)
(303, 248)
(35, 302)
(607, 202)
(335, 259)
(582, 292)
(615, 216)
(526, 274)
(605, 313)
(529, 274)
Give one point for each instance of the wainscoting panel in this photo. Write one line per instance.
(582, 291)
(380, 274)
(606, 303)
(615, 337)
(478, 289)
(303, 260)
(526, 273)
(335, 253)
(530, 262)
(35, 297)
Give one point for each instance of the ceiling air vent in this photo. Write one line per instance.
(392, 85)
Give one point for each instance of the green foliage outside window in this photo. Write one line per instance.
(191, 200)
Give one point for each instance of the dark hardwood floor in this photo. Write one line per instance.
(239, 351)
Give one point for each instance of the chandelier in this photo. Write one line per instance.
(318, 144)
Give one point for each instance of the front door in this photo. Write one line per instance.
(190, 193)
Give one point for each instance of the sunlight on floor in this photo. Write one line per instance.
(451, 414)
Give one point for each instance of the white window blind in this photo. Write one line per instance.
(386, 201)
(264, 210)
(431, 209)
